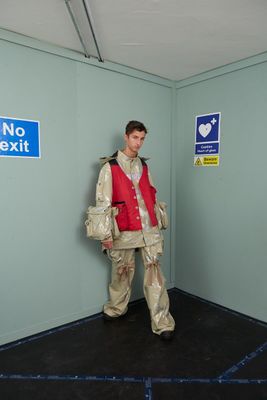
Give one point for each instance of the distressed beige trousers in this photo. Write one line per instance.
(123, 268)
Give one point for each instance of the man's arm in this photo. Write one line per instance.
(151, 182)
(104, 196)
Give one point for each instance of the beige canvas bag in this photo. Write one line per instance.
(101, 223)
(98, 223)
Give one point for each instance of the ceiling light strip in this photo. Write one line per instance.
(84, 7)
(76, 28)
(90, 21)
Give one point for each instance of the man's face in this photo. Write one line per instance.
(134, 141)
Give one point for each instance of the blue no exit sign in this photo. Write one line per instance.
(19, 138)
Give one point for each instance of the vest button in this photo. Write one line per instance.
(134, 197)
(136, 207)
(137, 217)
(132, 187)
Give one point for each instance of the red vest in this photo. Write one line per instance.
(125, 199)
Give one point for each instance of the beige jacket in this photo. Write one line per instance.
(132, 167)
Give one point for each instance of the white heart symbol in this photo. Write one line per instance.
(204, 130)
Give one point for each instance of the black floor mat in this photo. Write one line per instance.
(209, 392)
(208, 341)
(26, 390)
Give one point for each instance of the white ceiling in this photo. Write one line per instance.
(174, 39)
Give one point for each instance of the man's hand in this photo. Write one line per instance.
(107, 244)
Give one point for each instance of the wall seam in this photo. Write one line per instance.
(173, 186)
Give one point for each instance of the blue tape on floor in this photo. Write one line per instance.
(209, 381)
(148, 389)
(92, 378)
(58, 329)
(99, 315)
(240, 315)
(148, 381)
(244, 362)
(49, 332)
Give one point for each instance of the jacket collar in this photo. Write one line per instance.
(104, 160)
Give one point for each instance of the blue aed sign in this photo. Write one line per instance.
(19, 138)
(208, 128)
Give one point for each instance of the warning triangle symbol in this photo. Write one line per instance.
(198, 161)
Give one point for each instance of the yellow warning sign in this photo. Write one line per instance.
(198, 162)
(211, 160)
(207, 161)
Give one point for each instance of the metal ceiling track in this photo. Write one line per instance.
(84, 8)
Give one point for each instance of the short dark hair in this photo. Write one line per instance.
(135, 126)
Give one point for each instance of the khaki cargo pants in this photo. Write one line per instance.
(123, 267)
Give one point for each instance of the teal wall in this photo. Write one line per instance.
(50, 272)
(221, 211)
(216, 245)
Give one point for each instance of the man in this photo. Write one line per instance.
(125, 185)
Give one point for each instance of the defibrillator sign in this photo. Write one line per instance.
(207, 140)
(19, 138)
